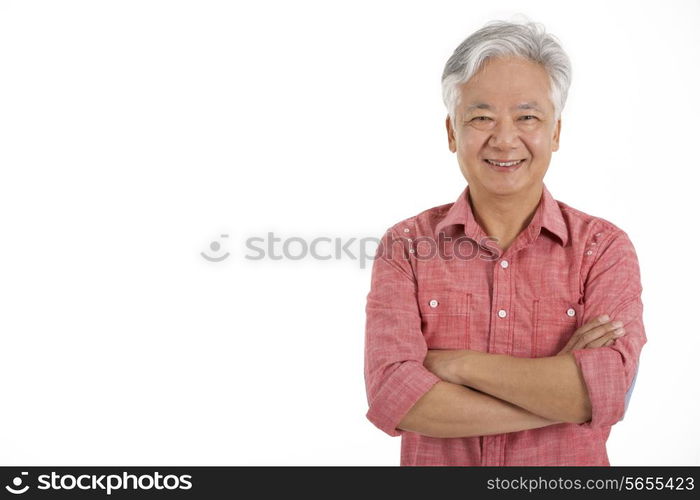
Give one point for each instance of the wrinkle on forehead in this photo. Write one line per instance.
(525, 105)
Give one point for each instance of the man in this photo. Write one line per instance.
(505, 328)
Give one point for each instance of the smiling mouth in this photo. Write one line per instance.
(512, 163)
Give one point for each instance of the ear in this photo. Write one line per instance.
(555, 137)
(451, 142)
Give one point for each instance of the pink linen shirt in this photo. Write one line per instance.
(439, 282)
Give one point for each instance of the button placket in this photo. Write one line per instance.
(502, 313)
(500, 334)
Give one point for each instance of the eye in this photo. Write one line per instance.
(481, 118)
(528, 117)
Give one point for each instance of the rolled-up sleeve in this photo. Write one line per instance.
(613, 287)
(395, 348)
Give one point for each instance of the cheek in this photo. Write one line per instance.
(538, 142)
(471, 144)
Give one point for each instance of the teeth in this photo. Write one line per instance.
(506, 164)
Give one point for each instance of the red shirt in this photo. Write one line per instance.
(438, 282)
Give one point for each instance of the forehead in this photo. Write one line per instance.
(507, 83)
(525, 105)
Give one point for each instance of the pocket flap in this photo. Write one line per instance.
(443, 302)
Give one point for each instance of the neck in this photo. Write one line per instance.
(504, 216)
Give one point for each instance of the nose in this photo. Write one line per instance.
(504, 135)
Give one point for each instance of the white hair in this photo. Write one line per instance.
(502, 39)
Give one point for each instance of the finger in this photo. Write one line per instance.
(594, 323)
(593, 329)
(596, 333)
(591, 325)
(600, 331)
(601, 341)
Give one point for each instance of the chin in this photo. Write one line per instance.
(506, 185)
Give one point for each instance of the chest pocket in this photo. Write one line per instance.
(556, 320)
(445, 319)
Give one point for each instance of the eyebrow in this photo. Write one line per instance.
(524, 105)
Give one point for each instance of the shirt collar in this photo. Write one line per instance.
(548, 215)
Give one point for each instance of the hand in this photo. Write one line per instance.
(600, 332)
(446, 364)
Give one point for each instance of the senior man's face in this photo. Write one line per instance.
(504, 115)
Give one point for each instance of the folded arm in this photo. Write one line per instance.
(551, 387)
(451, 410)
(504, 393)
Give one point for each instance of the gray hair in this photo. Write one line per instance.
(501, 38)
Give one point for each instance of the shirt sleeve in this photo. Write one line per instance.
(613, 287)
(395, 347)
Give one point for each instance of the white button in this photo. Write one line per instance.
(571, 311)
(409, 239)
(410, 250)
(502, 313)
(504, 264)
(597, 234)
(590, 252)
(405, 230)
(433, 303)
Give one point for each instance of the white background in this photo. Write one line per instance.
(135, 133)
